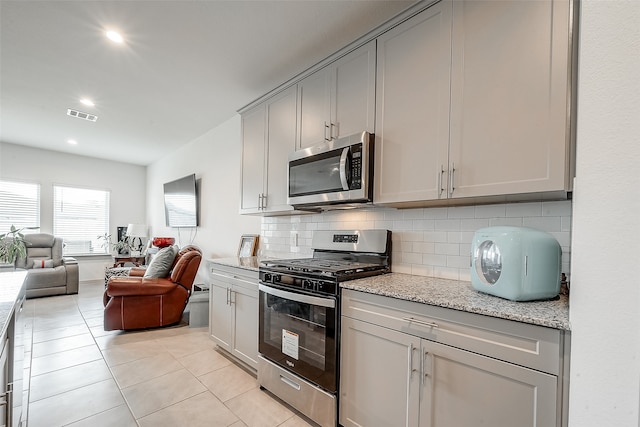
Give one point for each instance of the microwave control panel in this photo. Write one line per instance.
(356, 167)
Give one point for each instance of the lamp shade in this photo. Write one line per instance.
(137, 230)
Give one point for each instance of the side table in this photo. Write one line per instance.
(122, 259)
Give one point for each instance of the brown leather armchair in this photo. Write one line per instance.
(139, 302)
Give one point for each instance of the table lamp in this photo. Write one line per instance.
(136, 231)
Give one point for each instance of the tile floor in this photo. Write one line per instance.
(83, 376)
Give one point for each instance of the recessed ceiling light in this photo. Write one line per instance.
(114, 36)
(72, 142)
(87, 102)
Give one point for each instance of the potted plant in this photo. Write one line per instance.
(122, 246)
(13, 245)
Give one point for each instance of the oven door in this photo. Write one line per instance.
(298, 332)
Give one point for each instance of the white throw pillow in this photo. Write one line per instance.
(161, 264)
(42, 263)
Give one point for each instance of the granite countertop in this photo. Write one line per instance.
(459, 295)
(248, 263)
(11, 284)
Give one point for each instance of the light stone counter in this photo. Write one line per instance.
(459, 295)
(248, 263)
(11, 285)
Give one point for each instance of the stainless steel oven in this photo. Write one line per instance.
(299, 317)
(334, 172)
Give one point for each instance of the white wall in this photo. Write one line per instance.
(215, 159)
(605, 291)
(126, 182)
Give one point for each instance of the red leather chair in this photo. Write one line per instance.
(140, 302)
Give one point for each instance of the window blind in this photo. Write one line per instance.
(19, 205)
(80, 216)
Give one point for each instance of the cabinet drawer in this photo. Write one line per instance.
(527, 345)
(233, 276)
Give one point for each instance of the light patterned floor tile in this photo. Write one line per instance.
(67, 343)
(75, 405)
(229, 382)
(62, 332)
(200, 410)
(297, 421)
(129, 352)
(64, 359)
(67, 379)
(153, 395)
(120, 416)
(257, 409)
(184, 345)
(205, 361)
(132, 373)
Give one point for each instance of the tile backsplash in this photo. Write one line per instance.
(426, 241)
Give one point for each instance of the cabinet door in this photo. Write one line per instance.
(467, 389)
(253, 159)
(353, 92)
(313, 97)
(281, 136)
(379, 376)
(220, 315)
(509, 81)
(245, 330)
(4, 381)
(412, 107)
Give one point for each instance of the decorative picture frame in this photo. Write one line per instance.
(248, 245)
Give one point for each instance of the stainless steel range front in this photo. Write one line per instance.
(300, 317)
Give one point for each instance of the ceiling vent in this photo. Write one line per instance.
(81, 115)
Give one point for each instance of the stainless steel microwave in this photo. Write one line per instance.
(336, 172)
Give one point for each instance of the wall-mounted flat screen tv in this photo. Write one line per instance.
(181, 202)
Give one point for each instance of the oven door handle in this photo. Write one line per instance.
(303, 298)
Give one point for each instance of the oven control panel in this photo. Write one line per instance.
(295, 282)
(345, 238)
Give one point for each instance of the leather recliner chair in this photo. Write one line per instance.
(140, 302)
(48, 272)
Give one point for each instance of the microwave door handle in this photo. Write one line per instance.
(343, 168)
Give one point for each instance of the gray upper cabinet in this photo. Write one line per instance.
(412, 107)
(339, 99)
(510, 98)
(473, 102)
(268, 136)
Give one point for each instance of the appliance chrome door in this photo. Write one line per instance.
(320, 174)
(298, 332)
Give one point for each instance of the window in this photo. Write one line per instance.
(19, 205)
(80, 216)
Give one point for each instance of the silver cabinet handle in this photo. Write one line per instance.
(420, 322)
(264, 201)
(410, 369)
(440, 189)
(326, 126)
(451, 173)
(333, 135)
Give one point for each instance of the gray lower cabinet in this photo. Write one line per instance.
(399, 369)
(4, 380)
(233, 311)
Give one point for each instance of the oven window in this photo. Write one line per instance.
(299, 336)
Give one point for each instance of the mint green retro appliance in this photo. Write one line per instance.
(516, 263)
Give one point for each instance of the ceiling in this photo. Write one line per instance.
(184, 68)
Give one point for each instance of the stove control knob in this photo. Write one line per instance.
(307, 284)
(266, 277)
(320, 287)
